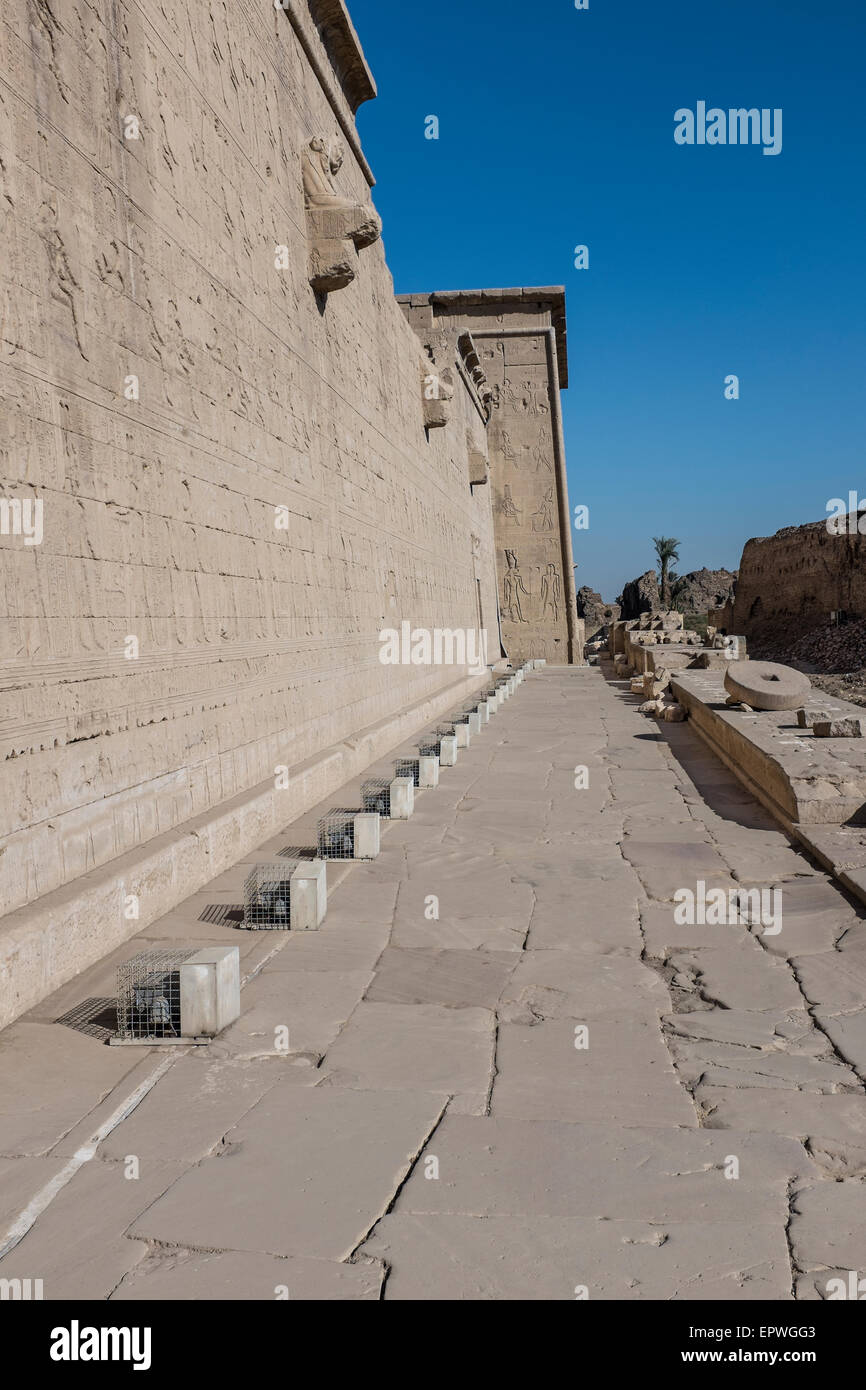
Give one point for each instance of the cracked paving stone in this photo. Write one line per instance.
(332, 947)
(166, 1126)
(514, 1258)
(751, 1028)
(720, 1064)
(313, 1005)
(39, 1104)
(795, 1113)
(78, 1247)
(600, 915)
(422, 1047)
(663, 935)
(490, 1166)
(625, 1075)
(563, 984)
(307, 1172)
(458, 979)
(741, 976)
(847, 1032)
(828, 1227)
(181, 1275)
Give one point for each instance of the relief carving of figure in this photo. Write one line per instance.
(534, 399)
(322, 162)
(505, 505)
(542, 459)
(542, 520)
(507, 448)
(513, 586)
(551, 592)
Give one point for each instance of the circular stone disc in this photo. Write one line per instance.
(767, 684)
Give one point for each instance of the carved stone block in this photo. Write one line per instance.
(337, 228)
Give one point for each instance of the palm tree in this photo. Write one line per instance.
(666, 550)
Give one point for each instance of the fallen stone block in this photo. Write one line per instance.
(673, 714)
(655, 683)
(807, 717)
(650, 707)
(838, 728)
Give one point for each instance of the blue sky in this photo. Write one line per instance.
(556, 129)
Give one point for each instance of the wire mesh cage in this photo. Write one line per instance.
(429, 746)
(336, 834)
(410, 767)
(267, 896)
(148, 995)
(376, 795)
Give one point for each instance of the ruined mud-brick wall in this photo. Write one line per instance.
(794, 580)
(519, 335)
(239, 493)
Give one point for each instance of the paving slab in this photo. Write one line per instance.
(828, 1227)
(421, 1048)
(176, 1275)
(307, 1172)
(49, 1077)
(624, 1073)
(490, 1166)
(456, 979)
(513, 1258)
(79, 1246)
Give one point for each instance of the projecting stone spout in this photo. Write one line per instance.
(337, 227)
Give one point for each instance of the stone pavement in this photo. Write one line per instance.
(511, 1074)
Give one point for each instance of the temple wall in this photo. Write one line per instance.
(225, 536)
(520, 340)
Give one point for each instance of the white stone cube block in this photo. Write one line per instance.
(210, 991)
(308, 895)
(366, 836)
(447, 751)
(428, 770)
(484, 712)
(402, 797)
(474, 723)
(462, 734)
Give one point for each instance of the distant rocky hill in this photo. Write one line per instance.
(594, 611)
(690, 593)
(703, 589)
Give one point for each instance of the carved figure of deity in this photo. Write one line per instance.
(551, 592)
(513, 586)
(542, 520)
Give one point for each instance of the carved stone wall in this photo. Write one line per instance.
(239, 492)
(519, 336)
